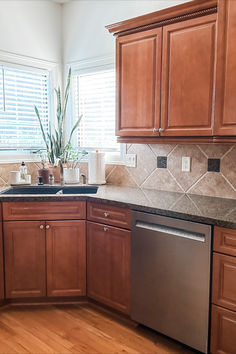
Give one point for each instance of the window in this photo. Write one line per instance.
(20, 90)
(94, 99)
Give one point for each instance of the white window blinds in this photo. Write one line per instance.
(20, 90)
(94, 98)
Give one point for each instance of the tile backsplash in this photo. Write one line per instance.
(213, 169)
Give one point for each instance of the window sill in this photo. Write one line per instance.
(17, 157)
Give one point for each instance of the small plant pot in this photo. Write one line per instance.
(71, 175)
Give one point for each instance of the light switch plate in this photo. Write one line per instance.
(186, 164)
(131, 160)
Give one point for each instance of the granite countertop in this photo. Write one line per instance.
(208, 210)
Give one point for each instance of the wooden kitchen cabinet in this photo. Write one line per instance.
(176, 74)
(224, 281)
(24, 246)
(138, 67)
(44, 258)
(223, 331)
(188, 77)
(223, 324)
(225, 102)
(108, 265)
(66, 258)
(1, 259)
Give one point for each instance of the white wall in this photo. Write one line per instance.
(31, 28)
(84, 35)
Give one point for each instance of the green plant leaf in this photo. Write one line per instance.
(74, 128)
(41, 126)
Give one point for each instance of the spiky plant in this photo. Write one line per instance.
(55, 140)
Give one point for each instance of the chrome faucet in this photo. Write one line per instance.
(83, 178)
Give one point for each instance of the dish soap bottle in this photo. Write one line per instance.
(23, 171)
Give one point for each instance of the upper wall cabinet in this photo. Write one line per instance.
(174, 74)
(187, 77)
(225, 104)
(138, 66)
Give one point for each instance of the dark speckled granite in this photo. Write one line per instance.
(208, 210)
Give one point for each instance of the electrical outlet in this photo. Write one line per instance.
(131, 160)
(186, 164)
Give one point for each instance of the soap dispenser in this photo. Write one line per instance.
(23, 171)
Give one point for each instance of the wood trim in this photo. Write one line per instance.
(158, 16)
(61, 210)
(177, 140)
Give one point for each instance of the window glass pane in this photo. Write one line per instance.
(1, 90)
(94, 98)
(19, 126)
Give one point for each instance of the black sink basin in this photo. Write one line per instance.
(51, 190)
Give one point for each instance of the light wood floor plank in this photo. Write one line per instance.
(78, 329)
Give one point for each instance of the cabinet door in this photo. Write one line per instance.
(187, 77)
(224, 281)
(108, 261)
(1, 259)
(223, 331)
(138, 67)
(225, 102)
(66, 258)
(24, 245)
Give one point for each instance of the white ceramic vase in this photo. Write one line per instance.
(71, 175)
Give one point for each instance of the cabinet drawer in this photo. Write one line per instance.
(110, 215)
(225, 240)
(224, 281)
(44, 210)
(223, 331)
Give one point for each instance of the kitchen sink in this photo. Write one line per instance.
(51, 190)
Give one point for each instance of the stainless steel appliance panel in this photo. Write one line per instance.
(170, 277)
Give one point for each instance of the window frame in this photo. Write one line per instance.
(11, 155)
(85, 67)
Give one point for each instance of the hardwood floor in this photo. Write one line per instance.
(83, 329)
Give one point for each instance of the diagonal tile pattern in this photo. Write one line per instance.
(198, 181)
(147, 176)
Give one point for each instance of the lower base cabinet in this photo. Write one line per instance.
(108, 265)
(45, 258)
(25, 272)
(223, 331)
(66, 258)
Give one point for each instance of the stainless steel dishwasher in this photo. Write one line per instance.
(170, 277)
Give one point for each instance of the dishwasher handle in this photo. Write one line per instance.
(196, 236)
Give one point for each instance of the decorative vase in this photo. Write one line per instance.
(55, 170)
(44, 173)
(71, 175)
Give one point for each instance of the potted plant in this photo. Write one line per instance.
(70, 159)
(55, 139)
